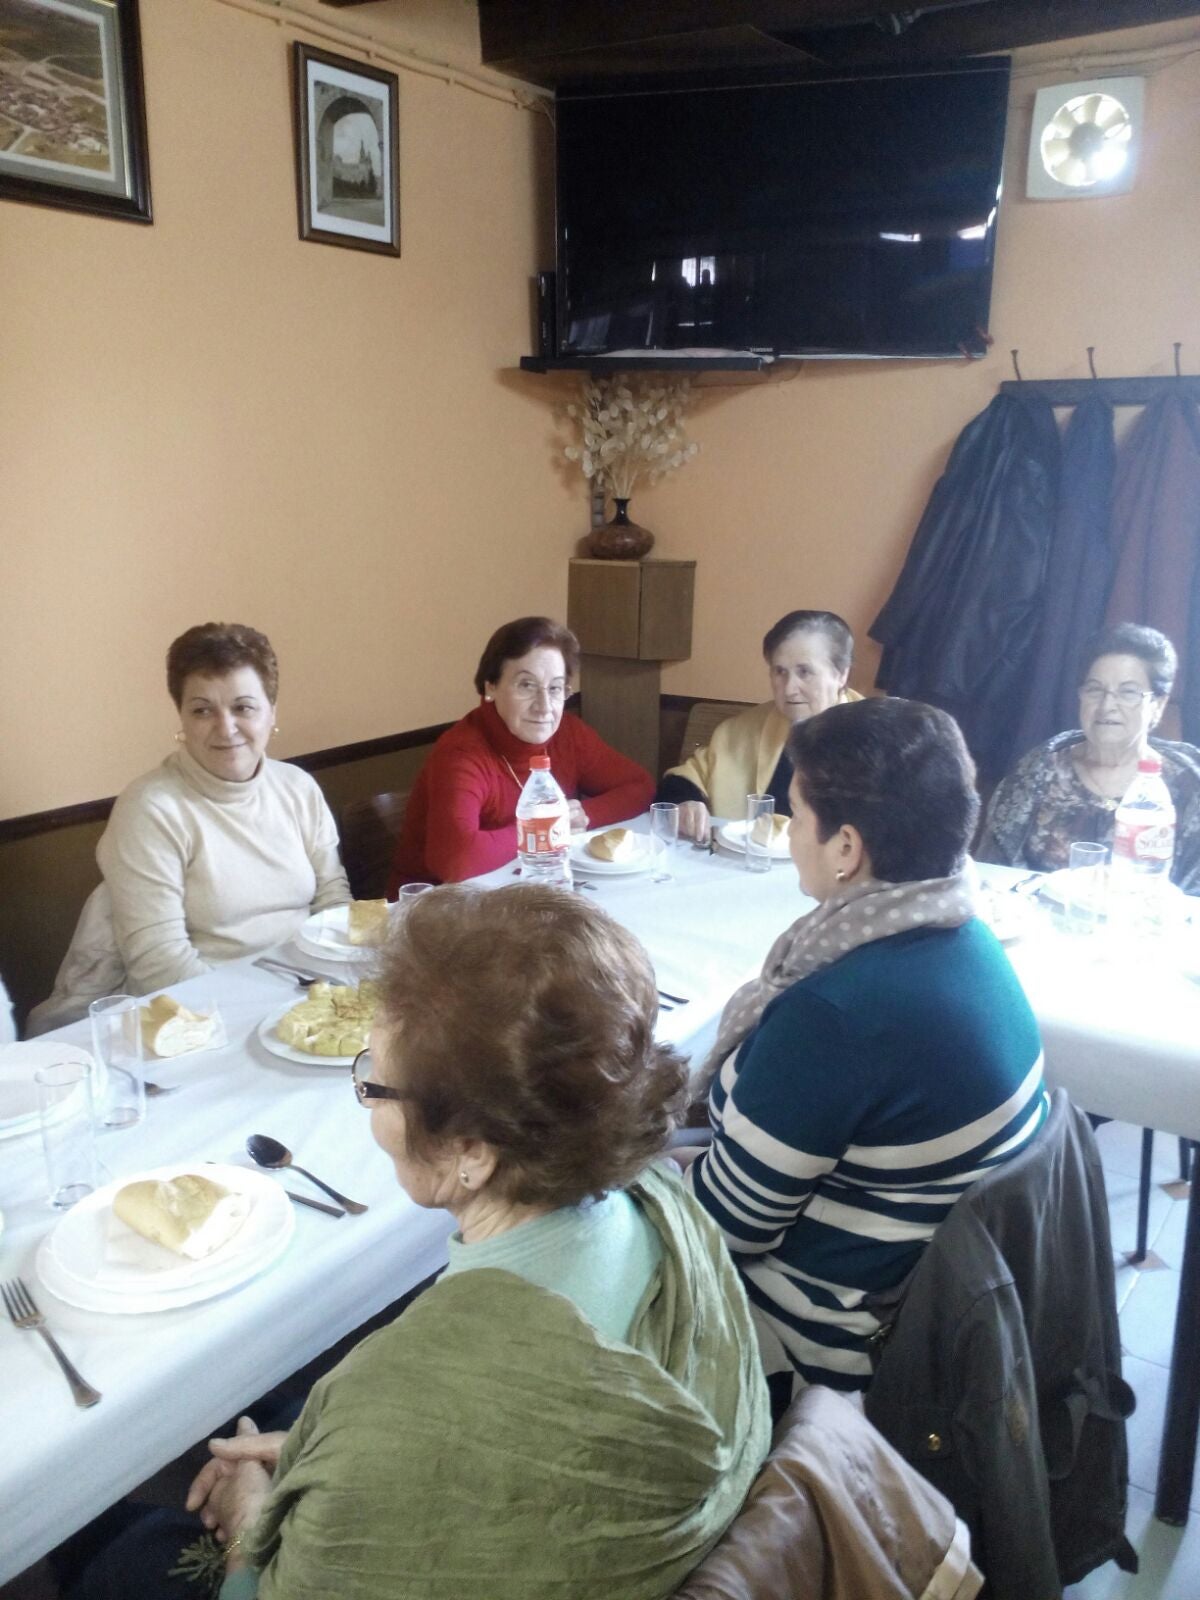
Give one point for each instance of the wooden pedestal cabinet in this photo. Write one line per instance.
(629, 617)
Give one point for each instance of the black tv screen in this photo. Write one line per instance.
(824, 218)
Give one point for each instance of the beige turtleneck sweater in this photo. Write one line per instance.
(202, 870)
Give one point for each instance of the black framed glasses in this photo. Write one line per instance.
(364, 1089)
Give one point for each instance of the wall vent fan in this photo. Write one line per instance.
(1085, 138)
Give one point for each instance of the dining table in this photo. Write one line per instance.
(1122, 1033)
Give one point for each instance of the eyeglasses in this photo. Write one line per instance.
(1127, 694)
(363, 1087)
(530, 689)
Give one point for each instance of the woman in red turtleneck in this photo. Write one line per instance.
(461, 817)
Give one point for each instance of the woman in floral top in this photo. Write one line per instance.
(1069, 788)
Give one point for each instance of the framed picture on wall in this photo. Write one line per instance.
(72, 112)
(347, 151)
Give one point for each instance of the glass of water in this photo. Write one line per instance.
(117, 1046)
(664, 832)
(65, 1115)
(1087, 886)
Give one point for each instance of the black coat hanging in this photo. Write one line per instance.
(959, 628)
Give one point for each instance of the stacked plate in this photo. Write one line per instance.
(18, 1092)
(733, 836)
(327, 934)
(93, 1261)
(640, 860)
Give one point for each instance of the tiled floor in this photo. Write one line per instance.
(1169, 1557)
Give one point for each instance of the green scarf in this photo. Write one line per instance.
(490, 1445)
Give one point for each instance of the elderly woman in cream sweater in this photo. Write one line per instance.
(219, 852)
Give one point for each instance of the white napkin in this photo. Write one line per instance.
(129, 1258)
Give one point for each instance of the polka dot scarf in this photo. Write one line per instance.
(855, 916)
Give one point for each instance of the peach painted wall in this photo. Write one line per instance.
(808, 487)
(209, 418)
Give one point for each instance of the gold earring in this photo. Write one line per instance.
(464, 1180)
(179, 736)
(275, 729)
(840, 874)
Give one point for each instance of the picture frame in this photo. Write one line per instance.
(347, 151)
(72, 107)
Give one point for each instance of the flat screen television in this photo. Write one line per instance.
(848, 217)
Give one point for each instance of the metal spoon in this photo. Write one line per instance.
(268, 1152)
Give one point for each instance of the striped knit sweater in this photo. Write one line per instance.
(868, 1098)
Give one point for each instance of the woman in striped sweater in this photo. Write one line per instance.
(885, 1059)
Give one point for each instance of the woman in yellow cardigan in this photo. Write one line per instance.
(808, 656)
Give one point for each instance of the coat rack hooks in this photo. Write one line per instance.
(1016, 368)
(1091, 355)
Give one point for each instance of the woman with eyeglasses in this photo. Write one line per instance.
(576, 1407)
(462, 815)
(1070, 787)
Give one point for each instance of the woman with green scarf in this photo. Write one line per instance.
(577, 1406)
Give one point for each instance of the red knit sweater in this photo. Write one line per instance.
(461, 816)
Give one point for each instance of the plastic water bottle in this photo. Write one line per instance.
(543, 828)
(1143, 847)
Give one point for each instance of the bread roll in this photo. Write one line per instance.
(191, 1215)
(618, 844)
(368, 924)
(770, 830)
(170, 1029)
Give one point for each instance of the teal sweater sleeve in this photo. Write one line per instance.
(240, 1585)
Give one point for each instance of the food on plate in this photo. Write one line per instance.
(191, 1215)
(769, 830)
(335, 1020)
(368, 924)
(617, 844)
(170, 1029)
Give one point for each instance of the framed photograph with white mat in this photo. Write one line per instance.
(347, 151)
(72, 111)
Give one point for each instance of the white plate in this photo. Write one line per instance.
(272, 1221)
(733, 836)
(1056, 887)
(18, 1092)
(271, 1041)
(583, 861)
(326, 934)
(78, 1243)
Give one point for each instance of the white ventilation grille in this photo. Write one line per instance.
(1085, 139)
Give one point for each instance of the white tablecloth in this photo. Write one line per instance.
(1122, 1033)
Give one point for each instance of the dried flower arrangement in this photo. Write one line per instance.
(630, 428)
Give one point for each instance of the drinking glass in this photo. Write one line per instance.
(1086, 886)
(117, 1045)
(664, 831)
(65, 1114)
(407, 894)
(759, 832)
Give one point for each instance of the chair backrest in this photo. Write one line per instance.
(369, 831)
(807, 1529)
(1000, 1378)
(705, 717)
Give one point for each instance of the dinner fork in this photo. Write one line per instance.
(18, 1302)
(162, 1088)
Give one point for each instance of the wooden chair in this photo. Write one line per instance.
(807, 1527)
(704, 719)
(369, 830)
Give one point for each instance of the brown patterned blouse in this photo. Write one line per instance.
(1043, 805)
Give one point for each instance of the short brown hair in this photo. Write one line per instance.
(900, 773)
(217, 648)
(524, 1017)
(517, 639)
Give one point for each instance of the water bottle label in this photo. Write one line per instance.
(539, 836)
(1145, 841)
